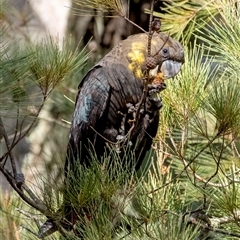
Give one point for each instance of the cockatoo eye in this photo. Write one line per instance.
(165, 50)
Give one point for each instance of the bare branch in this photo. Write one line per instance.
(186, 166)
(29, 215)
(217, 161)
(133, 23)
(21, 135)
(36, 205)
(3, 131)
(213, 222)
(216, 221)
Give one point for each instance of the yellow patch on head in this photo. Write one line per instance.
(136, 58)
(138, 73)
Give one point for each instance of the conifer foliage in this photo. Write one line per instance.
(191, 189)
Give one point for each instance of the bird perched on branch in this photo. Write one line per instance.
(117, 102)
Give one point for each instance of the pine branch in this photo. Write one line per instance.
(2, 130)
(115, 7)
(183, 18)
(33, 201)
(195, 219)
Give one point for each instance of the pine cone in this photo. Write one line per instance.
(151, 62)
(156, 25)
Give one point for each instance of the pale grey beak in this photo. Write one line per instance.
(170, 68)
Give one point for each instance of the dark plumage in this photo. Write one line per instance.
(102, 105)
(109, 95)
(108, 89)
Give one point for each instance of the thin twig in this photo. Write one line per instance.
(17, 123)
(29, 215)
(195, 221)
(198, 177)
(11, 180)
(100, 135)
(32, 195)
(187, 164)
(33, 201)
(235, 148)
(22, 135)
(29, 230)
(133, 23)
(150, 31)
(161, 46)
(201, 179)
(216, 221)
(3, 131)
(204, 226)
(217, 161)
(128, 8)
(184, 136)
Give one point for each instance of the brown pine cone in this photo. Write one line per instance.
(151, 62)
(156, 25)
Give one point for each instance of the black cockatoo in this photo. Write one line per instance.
(109, 96)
